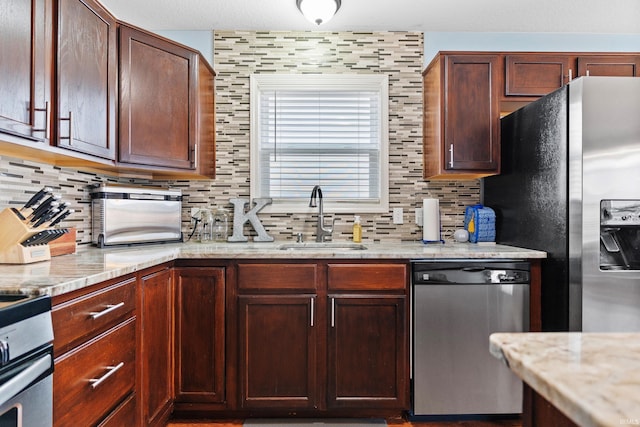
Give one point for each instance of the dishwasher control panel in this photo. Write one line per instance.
(470, 272)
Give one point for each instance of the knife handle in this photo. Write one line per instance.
(61, 217)
(46, 217)
(51, 202)
(36, 197)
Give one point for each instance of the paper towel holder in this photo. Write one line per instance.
(431, 227)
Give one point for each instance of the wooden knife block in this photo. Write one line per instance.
(12, 232)
(65, 244)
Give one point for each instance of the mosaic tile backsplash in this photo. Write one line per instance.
(237, 55)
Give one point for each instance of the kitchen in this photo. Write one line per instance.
(407, 188)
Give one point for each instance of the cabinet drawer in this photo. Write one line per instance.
(92, 313)
(123, 415)
(277, 276)
(353, 277)
(89, 381)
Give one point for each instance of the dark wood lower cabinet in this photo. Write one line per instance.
(278, 337)
(330, 340)
(155, 376)
(367, 352)
(199, 335)
(236, 340)
(539, 412)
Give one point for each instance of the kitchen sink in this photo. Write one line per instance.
(336, 246)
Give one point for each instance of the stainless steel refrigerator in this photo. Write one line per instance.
(570, 186)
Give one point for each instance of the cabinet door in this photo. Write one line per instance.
(608, 65)
(155, 346)
(472, 116)
(535, 75)
(199, 329)
(278, 338)
(24, 86)
(86, 107)
(157, 101)
(367, 352)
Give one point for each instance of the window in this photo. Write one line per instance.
(327, 130)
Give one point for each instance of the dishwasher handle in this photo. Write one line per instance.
(473, 269)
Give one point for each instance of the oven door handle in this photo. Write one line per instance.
(15, 385)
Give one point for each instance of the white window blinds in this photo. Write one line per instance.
(320, 133)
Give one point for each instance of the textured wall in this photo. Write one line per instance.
(237, 55)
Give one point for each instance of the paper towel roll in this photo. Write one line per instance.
(431, 220)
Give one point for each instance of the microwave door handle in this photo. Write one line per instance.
(15, 385)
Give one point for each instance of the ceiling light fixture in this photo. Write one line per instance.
(318, 11)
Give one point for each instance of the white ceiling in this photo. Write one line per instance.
(554, 16)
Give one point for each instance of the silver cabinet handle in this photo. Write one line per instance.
(312, 310)
(95, 382)
(570, 74)
(109, 309)
(47, 113)
(70, 137)
(333, 312)
(587, 73)
(451, 153)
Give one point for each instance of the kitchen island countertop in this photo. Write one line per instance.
(93, 265)
(593, 378)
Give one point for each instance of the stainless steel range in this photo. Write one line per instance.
(26, 361)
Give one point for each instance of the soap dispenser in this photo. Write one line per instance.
(357, 229)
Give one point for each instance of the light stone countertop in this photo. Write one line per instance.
(593, 378)
(93, 265)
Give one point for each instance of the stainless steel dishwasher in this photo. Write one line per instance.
(456, 306)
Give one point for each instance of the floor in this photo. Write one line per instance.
(393, 423)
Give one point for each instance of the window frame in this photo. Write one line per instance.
(365, 82)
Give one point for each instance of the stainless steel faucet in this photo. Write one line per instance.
(321, 231)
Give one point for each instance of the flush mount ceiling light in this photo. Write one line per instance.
(318, 11)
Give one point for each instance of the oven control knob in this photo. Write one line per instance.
(4, 352)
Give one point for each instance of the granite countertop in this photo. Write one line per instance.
(593, 378)
(93, 265)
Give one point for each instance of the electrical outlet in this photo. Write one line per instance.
(397, 215)
(194, 212)
(419, 218)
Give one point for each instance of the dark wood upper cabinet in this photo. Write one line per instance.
(609, 65)
(158, 96)
(461, 116)
(535, 75)
(86, 78)
(25, 69)
(532, 75)
(465, 94)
